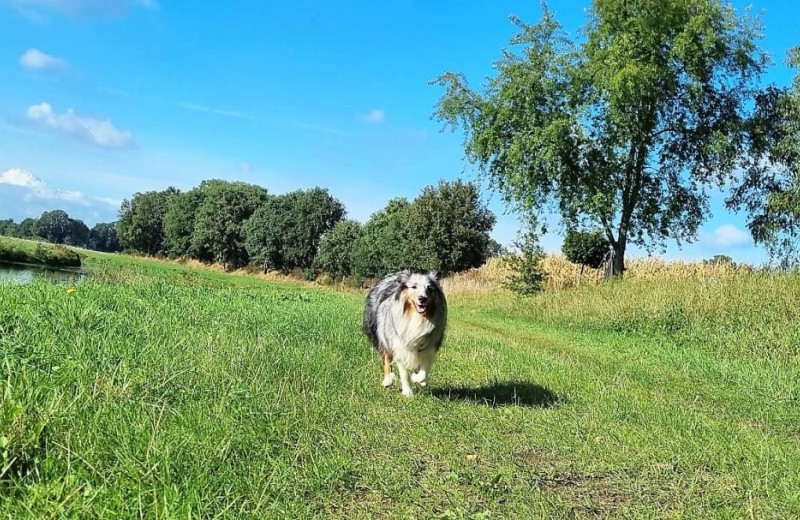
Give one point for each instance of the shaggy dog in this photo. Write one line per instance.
(405, 319)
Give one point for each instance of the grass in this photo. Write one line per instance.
(20, 251)
(156, 390)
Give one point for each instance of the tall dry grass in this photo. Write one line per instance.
(734, 310)
(562, 274)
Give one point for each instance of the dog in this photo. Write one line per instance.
(405, 318)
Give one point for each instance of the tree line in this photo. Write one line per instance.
(446, 228)
(58, 227)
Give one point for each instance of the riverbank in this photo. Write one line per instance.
(18, 251)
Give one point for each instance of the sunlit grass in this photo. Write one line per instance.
(155, 390)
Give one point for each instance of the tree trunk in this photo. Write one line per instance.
(618, 260)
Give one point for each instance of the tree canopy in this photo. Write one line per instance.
(179, 222)
(446, 228)
(55, 226)
(385, 244)
(625, 130)
(336, 249)
(141, 221)
(285, 232)
(103, 237)
(219, 222)
(770, 186)
(452, 225)
(586, 248)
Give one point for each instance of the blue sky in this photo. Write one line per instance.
(101, 99)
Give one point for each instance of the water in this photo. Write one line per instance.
(18, 273)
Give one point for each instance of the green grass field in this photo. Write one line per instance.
(37, 253)
(157, 391)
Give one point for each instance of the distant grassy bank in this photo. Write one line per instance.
(16, 250)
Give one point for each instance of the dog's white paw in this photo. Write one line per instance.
(407, 392)
(388, 380)
(419, 377)
(423, 383)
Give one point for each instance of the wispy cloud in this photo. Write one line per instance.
(37, 10)
(153, 5)
(99, 132)
(114, 91)
(108, 200)
(245, 167)
(37, 60)
(241, 115)
(316, 128)
(375, 115)
(216, 111)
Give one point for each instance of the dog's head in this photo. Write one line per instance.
(421, 291)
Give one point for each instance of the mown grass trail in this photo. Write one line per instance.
(157, 391)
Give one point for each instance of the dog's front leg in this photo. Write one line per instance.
(405, 384)
(424, 372)
(388, 376)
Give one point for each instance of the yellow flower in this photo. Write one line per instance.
(70, 290)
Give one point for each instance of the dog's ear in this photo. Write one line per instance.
(402, 277)
(434, 275)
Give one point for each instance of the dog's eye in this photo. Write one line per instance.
(413, 286)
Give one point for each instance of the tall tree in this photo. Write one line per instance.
(265, 231)
(770, 185)
(28, 228)
(54, 226)
(78, 233)
(8, 227)
(285, 233)
(385, 244)
(336, 249)
(625, 130)
(141, 221)
(103, 237)
(453, 225)
(219, 223)
(179, 222)
(315, 212)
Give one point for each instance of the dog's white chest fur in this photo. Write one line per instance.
(413, 330)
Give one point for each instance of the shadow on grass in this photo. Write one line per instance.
(510, 393)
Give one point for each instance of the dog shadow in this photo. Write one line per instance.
(511, 393)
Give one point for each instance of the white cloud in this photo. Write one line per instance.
(375, 115)
(36, 187)
(729, 236)
(20, 177)
(37, 60)
(246, 167)
(99, 132)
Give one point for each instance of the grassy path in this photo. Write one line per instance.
(156, 391)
